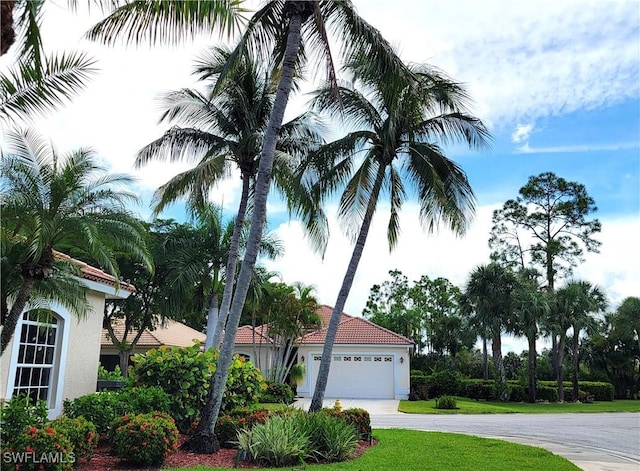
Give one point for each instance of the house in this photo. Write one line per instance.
(57, 358)
(170, 333)
(368, 361)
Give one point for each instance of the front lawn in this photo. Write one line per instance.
(412, 450)
(469, 406)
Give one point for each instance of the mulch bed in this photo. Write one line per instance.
(104, 460)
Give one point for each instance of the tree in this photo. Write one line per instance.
(575, 303)
(280, 29)
(289, 312)
(490, 292)
(222, 130)
(37, 83)
(391, 306)
(53, 203)
(628, 317)
(531, 305)
(154, 296)
(399, 129)
(546, 227)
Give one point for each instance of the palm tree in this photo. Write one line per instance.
(198, 256)
(37, 83)
(53, 202)
(490, 291)
(531, 305)
(220, 131)
(397, 140)
(575, 304)
(292, 31)
(627, 317)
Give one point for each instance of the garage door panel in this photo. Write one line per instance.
(358, 376)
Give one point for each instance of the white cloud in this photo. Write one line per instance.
(526, 149)
(522, 133)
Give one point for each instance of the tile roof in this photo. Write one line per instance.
(170, 333)
(324, 312)
(93, 273)
(355, 330)
(244, 335)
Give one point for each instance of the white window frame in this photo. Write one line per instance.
(56, 380)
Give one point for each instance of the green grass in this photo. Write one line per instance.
(411, 450)
(469, 406)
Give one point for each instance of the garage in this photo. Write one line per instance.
(358, 376)
(367, 362)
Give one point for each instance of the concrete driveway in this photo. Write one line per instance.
(593, 442)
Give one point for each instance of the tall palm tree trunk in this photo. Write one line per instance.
(213, 314)
(496, 350)
(232, 262)
(204, 439)
(576, 362)
(485, 362)
(560, 368)
(343, 294)
(533, 360)
(10, 323)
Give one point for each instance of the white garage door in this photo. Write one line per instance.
(358, 376)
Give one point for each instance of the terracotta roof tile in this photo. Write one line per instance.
(93, 273)
(357, 330)
(244, 335)
(170, 333)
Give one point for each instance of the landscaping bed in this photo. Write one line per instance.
(104, 460)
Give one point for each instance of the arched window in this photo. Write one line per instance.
(36, 361)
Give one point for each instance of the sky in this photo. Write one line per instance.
(557, 83)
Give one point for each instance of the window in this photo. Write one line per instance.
(388, 358)
(357, 358)
(377, 358)
(367, 358)
(317, 357)
(347, 358)
(337, 358)
(37, 356)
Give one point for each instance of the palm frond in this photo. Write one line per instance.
(25, 91)
(167, 21)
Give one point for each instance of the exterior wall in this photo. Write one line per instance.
(84, 350)
(401, 368)
(79, 351)
(263, 361)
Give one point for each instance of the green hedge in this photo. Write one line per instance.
(419, 388)
(600, 391)
(479, 389)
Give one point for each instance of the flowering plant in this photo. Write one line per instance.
(80, 432)
(39, 449)
(145, 439)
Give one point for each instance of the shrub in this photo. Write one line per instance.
(102, 408)
(419, 388)
(358, 418)
(228, 426)
(446, 402)
(517, 392)
(331, 438)
(479, 389)
(185, 375)
(599, 390)
(280, 441)
(443, 383)
(144, 439)
(275, 393)
(546, 393)
(81, 434)
(115, 375)
(18, 414)
(44, 448)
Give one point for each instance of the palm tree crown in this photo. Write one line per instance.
(53, 202)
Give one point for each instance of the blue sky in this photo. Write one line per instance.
(558, 84)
